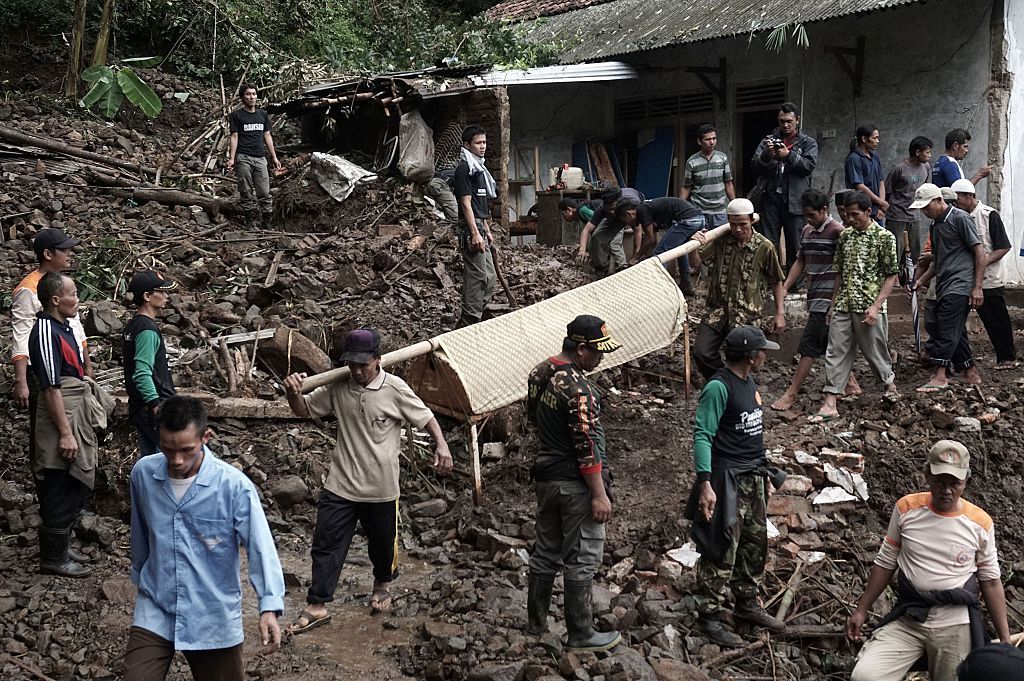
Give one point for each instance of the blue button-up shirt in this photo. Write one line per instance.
(185, 557)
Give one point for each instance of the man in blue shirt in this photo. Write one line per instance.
(864, 170)
(190, 512)
(948, 169)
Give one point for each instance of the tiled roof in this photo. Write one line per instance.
(601, 29)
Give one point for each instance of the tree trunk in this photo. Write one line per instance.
(99, 55)
(75, 63)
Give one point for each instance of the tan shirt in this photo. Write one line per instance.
(939, 551)
(24, 307)
(364, 466)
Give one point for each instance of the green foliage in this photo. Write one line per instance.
(112, 85)
(35, 16)
(776, 39)
(100, 271)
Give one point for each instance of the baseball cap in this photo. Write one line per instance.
(948, 194)
(361, 345)
(52, 238)
(963, 186)
(148, 280)
(925, 194)
(949, 457)
(593, 331)
(995, 661)
(748, 338)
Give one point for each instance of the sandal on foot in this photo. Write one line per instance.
(380, 601)
(312, 622)
(932, 388)
(821, 417)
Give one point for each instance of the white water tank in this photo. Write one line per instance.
(572, 177)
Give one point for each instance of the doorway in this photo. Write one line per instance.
(754, 126)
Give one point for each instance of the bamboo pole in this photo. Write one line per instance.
(692, 245)
(390, 359)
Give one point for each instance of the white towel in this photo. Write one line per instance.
(476, 166)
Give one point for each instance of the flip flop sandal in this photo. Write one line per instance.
(312, 622)
(1006, 366)
(821, 418)
(380, 601)
(932, 388)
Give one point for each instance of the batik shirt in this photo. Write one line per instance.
(739, 279)
(863, 261)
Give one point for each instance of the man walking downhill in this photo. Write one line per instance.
(785, 159)
(572, 482)
(65, 454)
(707, 179)
(190, 513)
(864, 170)
(900, 186)
(816, 259)
(949, 167)
(993, 312)
(729, 497)
(371, 408)
(474, 187)
(866, 270)
(945, 550)
(958, 267)
(250, 141)
(147, 377)
(742, 267)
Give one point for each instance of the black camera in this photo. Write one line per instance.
(778, 142)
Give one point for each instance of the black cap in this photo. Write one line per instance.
(748, 338)
(996, 661)
(52, 238)
(361, 345)
(593, 331)
(148, 280)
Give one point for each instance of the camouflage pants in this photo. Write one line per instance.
(744, 561)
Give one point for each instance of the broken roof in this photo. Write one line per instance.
(616, 27)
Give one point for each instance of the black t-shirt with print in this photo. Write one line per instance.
(473, 186)
(250, 128)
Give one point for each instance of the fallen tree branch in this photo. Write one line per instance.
(31, 670)
(175, 197)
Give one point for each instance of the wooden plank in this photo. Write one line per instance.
(474, 455)
(605, 173)
(230, 407)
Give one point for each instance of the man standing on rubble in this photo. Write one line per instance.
(742, 266)
(250, 141)
(147, 377)
(190, 513)
(945, 549)
(64, 457)
(371, 408)
(729, 499)
(707, 179)
(572, 482)
(474, 187)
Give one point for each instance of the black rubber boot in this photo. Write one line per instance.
(252, 219)
(266, 219)
(713, 628)
(466, 320)
(53, 554)
(750, 611)
(538, 602)
(685, 285)
(73, 553)
(579, 620)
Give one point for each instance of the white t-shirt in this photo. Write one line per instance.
(939, 551)
(180, 485)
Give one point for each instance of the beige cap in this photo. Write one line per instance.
(925, 194)
(949, 457)
(742, 206)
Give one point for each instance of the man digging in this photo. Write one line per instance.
(371, 408)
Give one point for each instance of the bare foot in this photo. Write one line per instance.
(852, 387)
(972, 377)
(785, 402)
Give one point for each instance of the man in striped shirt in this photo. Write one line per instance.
(816, 258)
(707, 179)
(945, 549)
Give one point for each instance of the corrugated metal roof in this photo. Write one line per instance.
(521, 10)
(625, 26)
(605, 70)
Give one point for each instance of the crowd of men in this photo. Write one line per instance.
(191, 511)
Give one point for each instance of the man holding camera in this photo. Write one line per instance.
(785, 160)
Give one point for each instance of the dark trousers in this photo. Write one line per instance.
(949, 346)
(145, 426)
(149, 658)
(776, 222)
(335, 525)
(996, 319)
(707, 345)
(568, 538)
(61, 498)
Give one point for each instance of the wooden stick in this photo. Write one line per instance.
(272, 274)
(791, 589)
(536, 169)
(31, 670)
(229, 367)
(501, 277)
(686, 359)
(730, 656)
(18, 137)
(474, 457)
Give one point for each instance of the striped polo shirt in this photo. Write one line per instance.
(706, 177)
(54, 351)
(818, 252)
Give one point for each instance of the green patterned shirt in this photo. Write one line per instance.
(863, 261)
(739, 279)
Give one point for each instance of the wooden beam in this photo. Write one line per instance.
(718, 88)
(855, 71)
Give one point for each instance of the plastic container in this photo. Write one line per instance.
(572, 177)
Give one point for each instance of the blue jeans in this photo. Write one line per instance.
(676, 235)
(712, 220)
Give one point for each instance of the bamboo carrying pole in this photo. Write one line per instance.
(424, 347)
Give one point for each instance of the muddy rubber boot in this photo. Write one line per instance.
(466, 320)
(750, 611)
(73, 553)
(538, 602)
(252, 219)
(579, 620)
(713, 628)
(53, 554)
(685, 285)
(266, 219)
